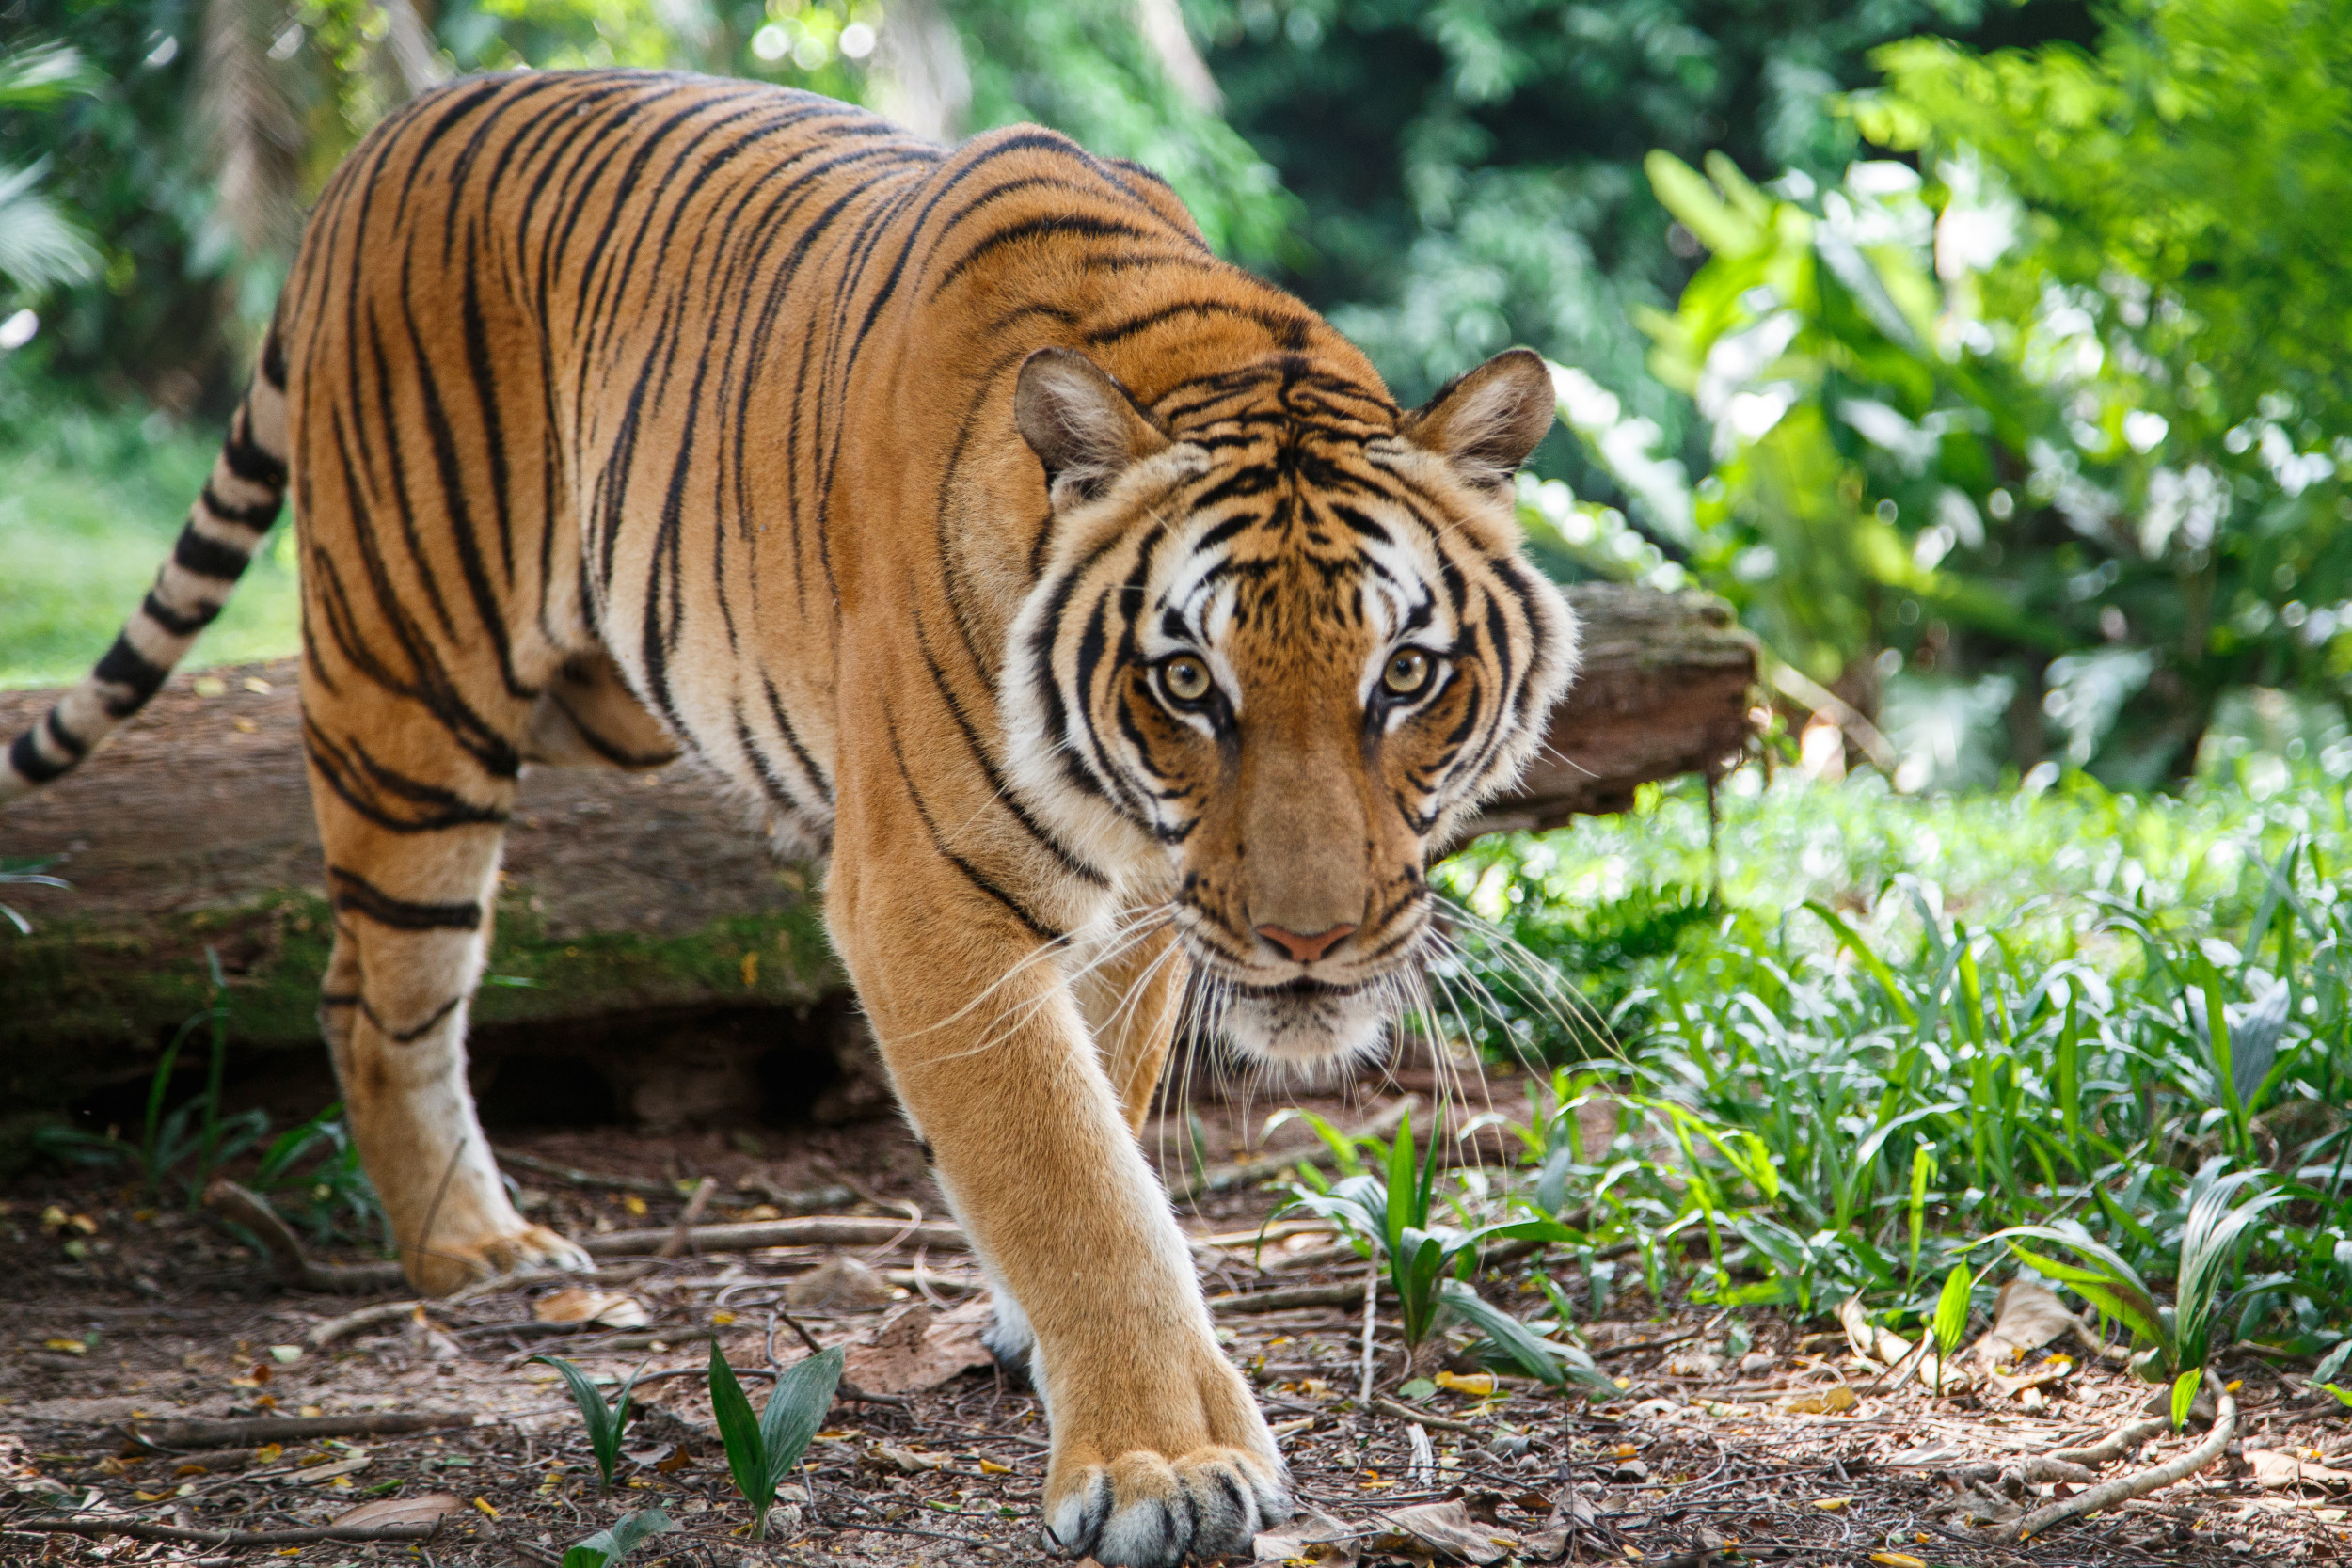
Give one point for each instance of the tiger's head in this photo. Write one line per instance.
(1281, 643)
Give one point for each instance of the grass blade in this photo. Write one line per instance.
(604, 1425)
(609, 1546)
(796, 1409)
(739, 1434)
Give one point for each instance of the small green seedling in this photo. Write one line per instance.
(608, 1546)
(604, 1421)
(2185, 1395)
(761, 1452)
(1950, 1322)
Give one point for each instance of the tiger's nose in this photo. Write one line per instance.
(1305, 950)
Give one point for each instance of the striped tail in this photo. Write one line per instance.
(225, 527)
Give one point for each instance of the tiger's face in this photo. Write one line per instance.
(1284, 642)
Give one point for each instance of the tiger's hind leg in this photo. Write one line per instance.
(410, 821)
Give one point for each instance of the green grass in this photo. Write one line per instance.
(89, 503)
(1870, 1032)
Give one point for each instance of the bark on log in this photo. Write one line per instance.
(642, 914)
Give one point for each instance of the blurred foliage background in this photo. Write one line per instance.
(1987, 355)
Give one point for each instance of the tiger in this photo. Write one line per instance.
(1086, 600)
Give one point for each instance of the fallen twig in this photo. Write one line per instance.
(804, 1201)
(1407, 1413)
(365, 1318)
(288, 1262)
(1221, 1179)
(141, 1532)
(254, 1431)
(682, 1236)
(749, 1236)
(2125, 1488)
(1283, 1300)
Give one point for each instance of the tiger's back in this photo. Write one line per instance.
(676, 372)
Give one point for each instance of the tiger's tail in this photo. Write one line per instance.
(226, 526)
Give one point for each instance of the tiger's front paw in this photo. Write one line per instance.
(448, 1265)
(1147, 1510)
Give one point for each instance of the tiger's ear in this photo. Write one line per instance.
(1081, 423)
(1486, 420)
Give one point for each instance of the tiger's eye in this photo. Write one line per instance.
(1408, 672)
(1186, 678)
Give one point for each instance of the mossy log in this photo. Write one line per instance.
(644, 930)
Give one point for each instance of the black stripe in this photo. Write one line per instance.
(250, 462)
(258, 517)
(126, 666)
(364, 784)
(971, 874)
(1000, 787)
(209, 557)
(175, 621)
(355, 893)
(27, 759)
(71, 744)
(1039, 227)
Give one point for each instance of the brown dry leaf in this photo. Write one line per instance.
(913, 1462)
(2052, 1369)
(2024, 1318)
(1310, 1537)
(2275, 1471)
(1834, 1399)
(1446, 1529)
(578, 1305)
(840, 1282)
(402, 1511)
(913, 1348)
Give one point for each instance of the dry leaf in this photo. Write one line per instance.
(839, 1282)
(579, 1305)
(1896, 1559)
(1446, 1529)
(1310, 1537)
(402, 1511)
(2053, 1370)
(913, 1349)
(2275, 1471)
(1478, 1385)
(2025, 1318)
(1833, 1400)
(912, 1461)
(309, 1475)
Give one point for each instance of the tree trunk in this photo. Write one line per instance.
(644, 932)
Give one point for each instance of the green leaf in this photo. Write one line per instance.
(2184, 1394)
(2343, 1396)
(1420, 1388)
(609, 1546)
(1951, 1308)
(2125, 1297)
(796, 1408)
(602, 1421)
(739, 1434)
(1552, 1364)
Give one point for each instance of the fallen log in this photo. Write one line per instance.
(643, 914)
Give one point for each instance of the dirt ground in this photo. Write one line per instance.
(117, 1313)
